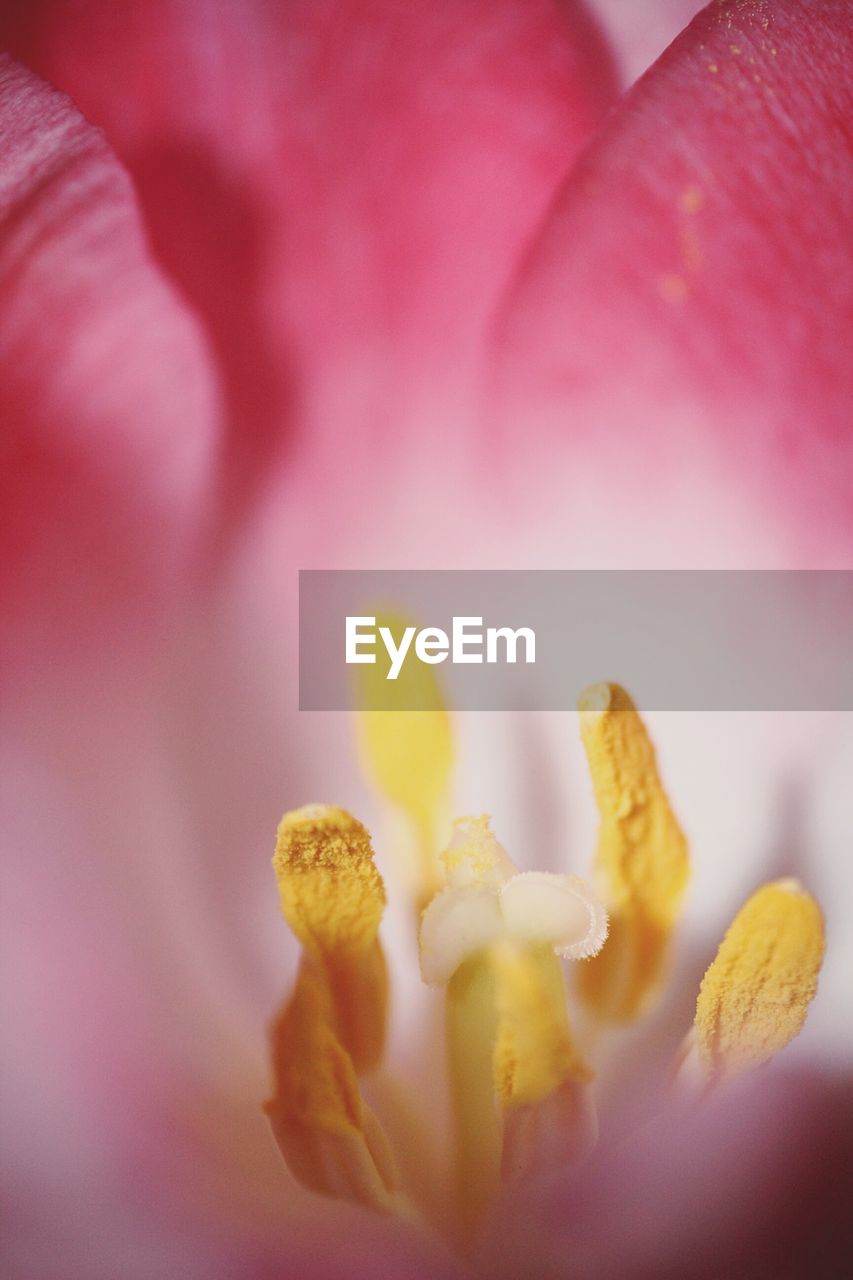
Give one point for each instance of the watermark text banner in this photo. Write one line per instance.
(532, 640)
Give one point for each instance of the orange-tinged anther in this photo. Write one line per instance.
(755, 995)
(330, 1139)
(332, 896)
(642, 864)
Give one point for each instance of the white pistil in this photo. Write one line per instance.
(558, 911)
(487, 901)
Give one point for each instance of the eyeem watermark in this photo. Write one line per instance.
(710, 640)
(468, 642)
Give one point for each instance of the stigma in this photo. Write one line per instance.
(487, 901)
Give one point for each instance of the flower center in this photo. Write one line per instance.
(493, 936)
(495, 939)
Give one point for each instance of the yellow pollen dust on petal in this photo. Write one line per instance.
(642, 865)
(333, 1026)
(755, 995)
(408, 754)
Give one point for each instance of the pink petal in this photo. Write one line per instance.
(690, 296)
(754, 1183)
(119, 951)
(106, 394)
(341, 189)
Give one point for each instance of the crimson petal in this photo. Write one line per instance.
(107, 397)
(341, 188)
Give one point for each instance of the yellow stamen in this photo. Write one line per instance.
(540, 1077)
(331, 1140)
(534, 1050)
(331, 893)
(332, 897)
(754, 997)
(333, 1026)
(641, 862)
(408, 754)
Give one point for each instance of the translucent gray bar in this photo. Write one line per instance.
(679, 641)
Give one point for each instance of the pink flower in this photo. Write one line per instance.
(371, 284)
